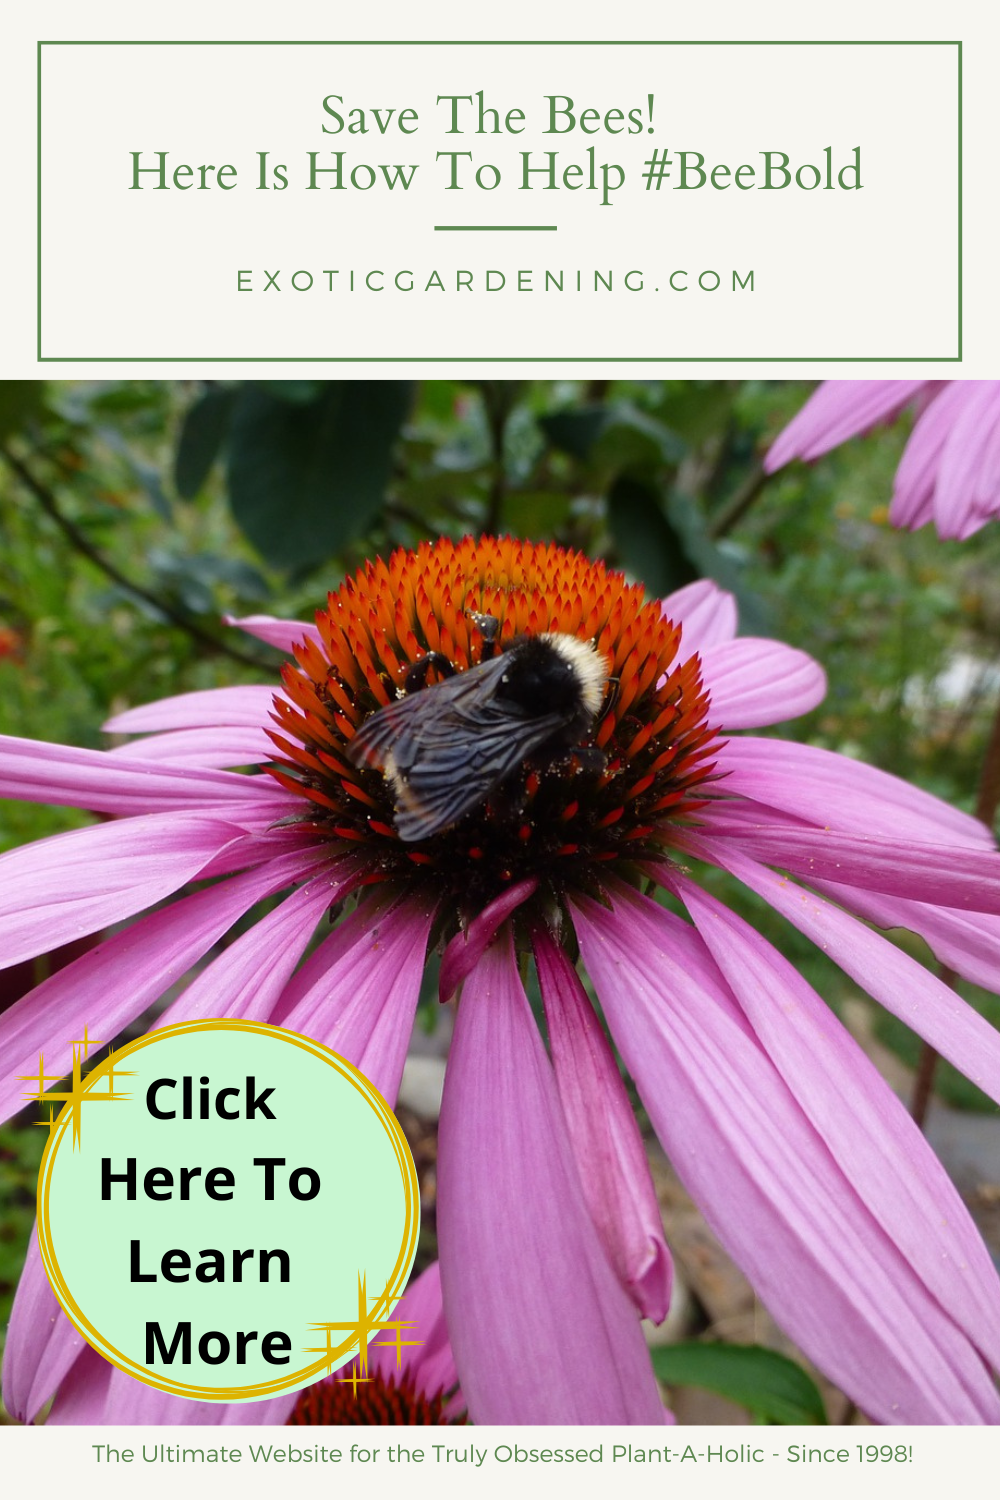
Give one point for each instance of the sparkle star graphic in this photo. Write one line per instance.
(361, 1330)
(79, 1092)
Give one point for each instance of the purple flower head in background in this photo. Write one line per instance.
(950, 470)
(804, 1163)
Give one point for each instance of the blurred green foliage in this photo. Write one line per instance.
(20, 1159)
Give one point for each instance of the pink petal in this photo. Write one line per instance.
(94, 1393)
(257, 846)
(357, 994)
(987, 500)
(838, 410)
(967, 942)
(766, 1182)
(944, 875)
(871, 1136)
(912, 504)
(913, 508)
(916, 477)
(83, 1392)
(285, 634)
(541, 1329)
(75, 883)
(756, 682)
(705, 613)
(247, 980)
(42, 1343)
(430, 1362)
(610, 1156)
(229, 745)
(958, 493)
(103, 782)
(249, 707)
(825, 788)
(467, 947)
(111, 985)
(273, 1412)
(882, 970)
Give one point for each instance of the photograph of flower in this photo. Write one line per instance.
(609, 770)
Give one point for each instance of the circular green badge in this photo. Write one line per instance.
(227, 1210)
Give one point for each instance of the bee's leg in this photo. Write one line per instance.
(571, 759)
(590, 759)
(611, 697)
(489, 628)
(416, 677)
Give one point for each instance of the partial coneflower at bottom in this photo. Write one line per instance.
(582, 864)
(413, 1387)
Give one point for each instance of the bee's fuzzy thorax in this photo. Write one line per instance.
(589, 667)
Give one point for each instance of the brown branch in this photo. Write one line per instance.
(497, 403)
(740, 503)
(82, 544)
(988, 796)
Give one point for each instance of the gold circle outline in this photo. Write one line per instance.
(395, 1284)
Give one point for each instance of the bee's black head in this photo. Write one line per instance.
(539, 680)
(554, 674)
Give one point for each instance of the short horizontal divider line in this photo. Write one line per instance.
(492, 228)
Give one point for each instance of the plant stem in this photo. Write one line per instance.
(740, 503)
(497, 402)
(82, 544)
(988, 797)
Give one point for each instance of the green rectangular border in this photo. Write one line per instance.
(604, 359)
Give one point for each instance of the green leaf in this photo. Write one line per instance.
(634, 441)
(139, 471)
(20, 1157)
(232, 572)
(305, 479)
(21, 401)
(710, 560)
(574, 431)
(648, 545)
(697, 409)
(202, 434)
(536, 513)
(295, 392)
(613, 438)
(438, 399)
(771, 1387)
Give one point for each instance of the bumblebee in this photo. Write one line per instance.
(444, 749)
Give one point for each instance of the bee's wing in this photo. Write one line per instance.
(446, 747)
(426, 718)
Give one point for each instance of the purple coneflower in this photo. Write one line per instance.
(950, 471)
(806, 1166)
(417, 1389)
